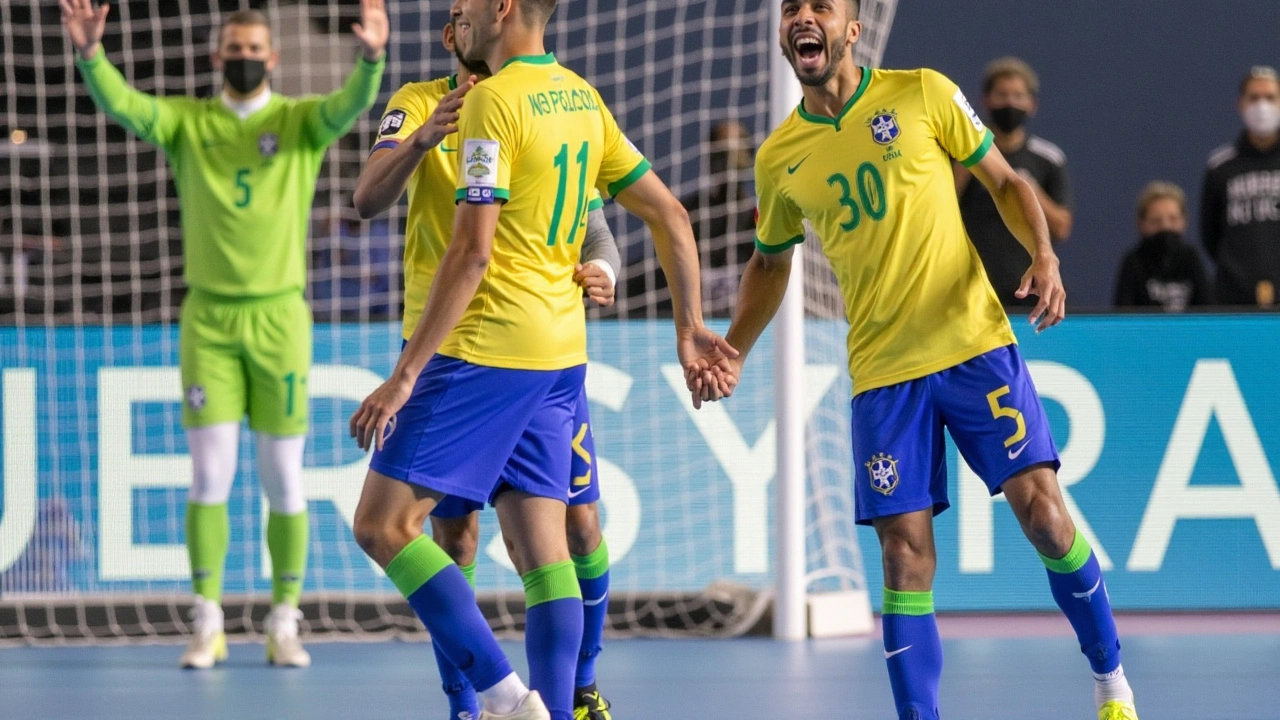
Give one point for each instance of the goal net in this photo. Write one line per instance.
(93, 463)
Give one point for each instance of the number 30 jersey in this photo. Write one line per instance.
(877, 186)
(536, 137)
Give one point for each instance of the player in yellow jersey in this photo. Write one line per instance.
(480, 405)
(866, 159)
(416, 151)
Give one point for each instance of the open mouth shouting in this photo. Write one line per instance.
(808, 51)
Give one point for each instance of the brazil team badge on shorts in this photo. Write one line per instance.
(884, 473)
(884, 127)
(196, 397)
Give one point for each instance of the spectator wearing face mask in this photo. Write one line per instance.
(1240, 206)
(1163, 271)
(1011, 92)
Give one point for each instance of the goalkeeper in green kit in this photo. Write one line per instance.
(245, 165)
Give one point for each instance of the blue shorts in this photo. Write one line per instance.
(471, 431)
(988, 404)
(584, 473)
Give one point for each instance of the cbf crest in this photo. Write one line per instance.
(884, 127)
(196, 397)
(884, 473)
(268, 145)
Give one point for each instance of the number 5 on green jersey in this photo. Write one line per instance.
(242, 185)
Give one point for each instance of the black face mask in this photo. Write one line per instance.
(1162, 241)
(1008, 119)
(244, 75)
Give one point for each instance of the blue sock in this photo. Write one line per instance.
(913, 652)
(1078, 588)
(553, 634)
(593, 581)
(440, 595)
(463, 702)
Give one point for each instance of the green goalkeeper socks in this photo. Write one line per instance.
(287, 541)
(208, 533)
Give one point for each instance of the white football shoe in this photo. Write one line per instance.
(208, 645)
(283, 647)
(531, 708)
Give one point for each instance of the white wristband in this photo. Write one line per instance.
(608, 270)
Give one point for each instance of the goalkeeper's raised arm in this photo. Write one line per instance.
(245, 67)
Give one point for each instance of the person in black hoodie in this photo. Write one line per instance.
(1240, 208)
(1163, 270)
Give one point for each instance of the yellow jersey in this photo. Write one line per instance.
(876, 185)
(538, 138)
(429, 225)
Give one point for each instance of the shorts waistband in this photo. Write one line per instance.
(212, 297)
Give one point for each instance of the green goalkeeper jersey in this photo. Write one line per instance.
(245, 187)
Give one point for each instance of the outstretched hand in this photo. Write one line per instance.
(373, 30)
(1045, 282)
(709, 371)
(85, 24)
(369, 424)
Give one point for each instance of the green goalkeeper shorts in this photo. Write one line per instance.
(243, 356)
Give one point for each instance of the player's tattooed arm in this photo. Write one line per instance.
(1020, 208)
(386, 173)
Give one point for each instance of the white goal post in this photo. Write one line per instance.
(797, 613)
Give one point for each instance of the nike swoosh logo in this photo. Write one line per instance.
(573, 494)
(1013, 454)
(445, 149)
(1088, 596)
(792, 169)
(899, 651)
(597, 601)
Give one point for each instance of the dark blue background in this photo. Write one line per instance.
(1133, 91)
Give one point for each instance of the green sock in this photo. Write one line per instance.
(470, 572)
(208, 534)
(415, 565)
(287, 541)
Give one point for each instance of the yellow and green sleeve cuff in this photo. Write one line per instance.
(981, 152)
(772, 249)
(629, 179)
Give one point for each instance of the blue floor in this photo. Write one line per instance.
(1196, 677)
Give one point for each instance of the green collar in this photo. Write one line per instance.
(548, 59)
(453, 81)
(835, 122)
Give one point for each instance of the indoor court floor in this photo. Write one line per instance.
(998, 667)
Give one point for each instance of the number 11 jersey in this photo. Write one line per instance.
(536, 137)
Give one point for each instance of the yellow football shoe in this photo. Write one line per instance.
(1117, 710)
